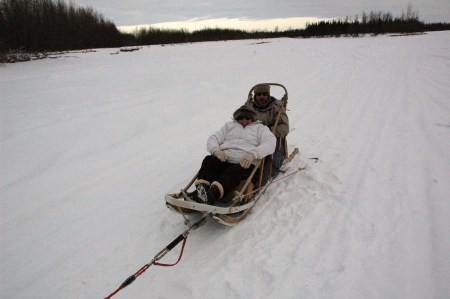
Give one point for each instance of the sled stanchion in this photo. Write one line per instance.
(249, 179)
(190, 183)
(161, 254)
(261, 172)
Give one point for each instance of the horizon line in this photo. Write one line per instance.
(195, 24)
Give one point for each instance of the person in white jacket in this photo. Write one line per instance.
(234, 150)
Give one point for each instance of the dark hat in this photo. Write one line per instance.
(262, 88)
(244, 112)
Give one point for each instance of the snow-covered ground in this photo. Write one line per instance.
(91, 142)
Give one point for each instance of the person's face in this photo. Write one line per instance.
(262, 97)
(245, 121)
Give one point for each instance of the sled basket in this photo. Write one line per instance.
(240, 201)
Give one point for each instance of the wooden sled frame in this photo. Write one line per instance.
(240, 204)
(243, 198)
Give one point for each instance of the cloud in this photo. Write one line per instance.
(280, 24)
(131, 12)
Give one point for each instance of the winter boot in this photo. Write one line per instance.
(201, 188)
(215, 193)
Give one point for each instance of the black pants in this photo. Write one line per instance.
(229, 175)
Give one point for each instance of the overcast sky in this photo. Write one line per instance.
(137, 12)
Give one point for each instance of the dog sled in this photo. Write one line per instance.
(241, 200)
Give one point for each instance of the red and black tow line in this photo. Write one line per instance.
(161, 254)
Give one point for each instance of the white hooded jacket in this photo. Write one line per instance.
(236, 141)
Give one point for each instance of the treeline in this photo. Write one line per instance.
(152, 36)
(374, 23)
(53, 25)
(46, 25)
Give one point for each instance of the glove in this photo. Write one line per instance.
(247, 160)
(219, 154)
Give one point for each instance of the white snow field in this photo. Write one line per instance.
(91, 142)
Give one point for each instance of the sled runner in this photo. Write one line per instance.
(241, 200)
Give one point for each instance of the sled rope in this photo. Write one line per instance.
(275, 181)
(182, 237)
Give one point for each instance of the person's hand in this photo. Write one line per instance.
(219, 154)
(247, 160)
